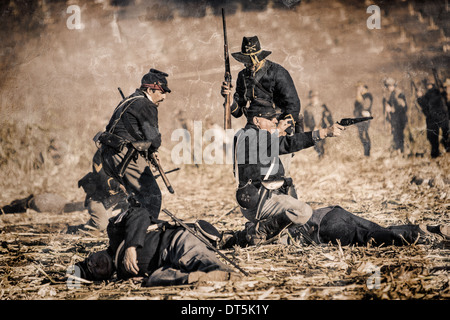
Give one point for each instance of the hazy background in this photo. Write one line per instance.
(59, 86)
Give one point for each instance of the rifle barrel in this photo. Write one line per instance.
(226, 54)
(185, 226)
(162, 173)
(170, 171)
(121, 93)
(227, 104)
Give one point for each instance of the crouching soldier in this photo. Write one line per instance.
(104, 196)
(159, 252)
(260, 176)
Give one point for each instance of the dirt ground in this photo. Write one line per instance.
(36, 253)
(46, 146)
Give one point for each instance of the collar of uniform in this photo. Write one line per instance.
(263, 62)
(264, 65)
(148, 96)
(251, 126)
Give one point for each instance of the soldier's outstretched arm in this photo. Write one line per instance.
(333, 131)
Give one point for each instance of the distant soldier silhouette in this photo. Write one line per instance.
(436, 115)
(395, 108)
(363, 108)
(316, 115)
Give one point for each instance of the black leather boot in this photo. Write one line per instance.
(269, 228)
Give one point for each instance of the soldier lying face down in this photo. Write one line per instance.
(335, 224)
(159, 253)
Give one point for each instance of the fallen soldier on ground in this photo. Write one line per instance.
(337, 225)
(45, 202)
(160, 253)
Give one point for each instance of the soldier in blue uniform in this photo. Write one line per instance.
(263, 83)
(157, 252)
(136, 120)
(336, 225)
(260, 175)
(104, 196)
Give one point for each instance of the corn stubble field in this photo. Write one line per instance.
(46, 146)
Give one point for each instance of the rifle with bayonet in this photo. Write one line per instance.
(206, 242)
(413, 84)
(170, 171)
(142, 146)
(349, 121)
(227, 104)
(437, 80)
(415, 92)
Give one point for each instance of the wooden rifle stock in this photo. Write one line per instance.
(227, 104)
(413, 84)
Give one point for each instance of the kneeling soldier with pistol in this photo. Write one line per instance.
(262, 191)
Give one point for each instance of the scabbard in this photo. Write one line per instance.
(131, 153)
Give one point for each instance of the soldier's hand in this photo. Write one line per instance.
(130, 260)
(283, 125)
(225, 89)
(153, 161)
(334, 131)
(365, 113)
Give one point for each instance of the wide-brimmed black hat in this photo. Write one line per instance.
(251, 51)
(155, 80)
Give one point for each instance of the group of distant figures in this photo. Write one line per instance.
(431, 97)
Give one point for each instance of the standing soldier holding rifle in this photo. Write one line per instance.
(263, 84)
(131, 139)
